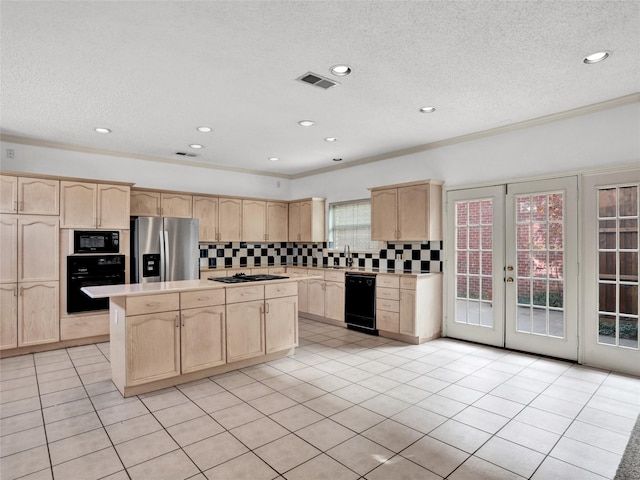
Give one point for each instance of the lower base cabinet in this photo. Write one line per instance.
(38, 318)
(245, 330)
(202, 338)
(281, 318)
(153, 347)
(8, 316)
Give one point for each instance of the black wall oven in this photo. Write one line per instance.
(90, 271)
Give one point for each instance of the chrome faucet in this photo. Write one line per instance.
(347, 255)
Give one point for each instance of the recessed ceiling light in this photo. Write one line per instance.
(196, 146)
(204, 129)
(306, 123)
(102, 130)
(428, 109)
(596, 57)
(340, 70)
(337, 159)
(331, 139)
(274, 159)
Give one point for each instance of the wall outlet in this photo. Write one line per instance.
(399, 256)
(11, 153)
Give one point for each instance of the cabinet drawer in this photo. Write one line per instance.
(388, 321)
(408, 283)
(281, 290)
(334, 276)
(388, 305)
(153, 303)
(202, 298)
(388, 281)
(387, 293)
(245, 294)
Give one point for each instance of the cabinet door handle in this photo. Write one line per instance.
(21, 206)
(158, 210)
(183, 319)
(15, 206)
(177, 321)
(21, 291)
(202, 299)
(15, 292)
(153, 304)
(266, 306)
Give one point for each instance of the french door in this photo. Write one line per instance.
(611, 244)
(512, 266)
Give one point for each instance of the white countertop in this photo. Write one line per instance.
(133, 289)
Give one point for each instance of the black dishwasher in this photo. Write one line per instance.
(360, 302)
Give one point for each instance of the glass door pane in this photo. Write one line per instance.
(475, 258)
(541, 267)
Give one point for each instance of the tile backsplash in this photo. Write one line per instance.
(414, 257)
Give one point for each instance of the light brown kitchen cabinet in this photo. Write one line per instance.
(176, 205)
(307, 220)
(203, 330)
(9, 248)
(152, 346)
(26, 195)
(281, 316)
(145, 203)
(277, 221)
(264, 221)
(254, 221)
(38, 318)
(230, 219)
(407, 212)
(29, 277)
(92, 205)
(37, 253)
(315, 302)
(151, 203)
(205, 209)
(334, 301)
(245, 330)
(303, 287)
(8, 316)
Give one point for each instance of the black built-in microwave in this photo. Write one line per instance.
(92, 241)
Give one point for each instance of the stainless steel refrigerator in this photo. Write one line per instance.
(164, 249)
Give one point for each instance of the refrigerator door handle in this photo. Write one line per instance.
(167, 261)
(163, 265)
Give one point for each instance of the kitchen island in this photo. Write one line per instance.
(166, 333)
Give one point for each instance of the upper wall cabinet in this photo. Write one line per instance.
(91, 205)
(148, 203)
(24, 195)
(229, 219)
(205, 209)
(306, 220)
(407, 212)
(264, 221)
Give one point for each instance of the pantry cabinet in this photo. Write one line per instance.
(307, 220)
(8, 316)
(37, 252)
(407, 212)
(91, 205)
(29, 196)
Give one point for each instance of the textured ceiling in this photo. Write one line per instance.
(154, 71)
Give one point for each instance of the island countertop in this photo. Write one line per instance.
(135, 289)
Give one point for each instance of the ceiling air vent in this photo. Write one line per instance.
(317, 80)
(186, 154)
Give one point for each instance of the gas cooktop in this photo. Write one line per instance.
(242, 278)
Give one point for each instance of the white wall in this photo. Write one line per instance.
(144, 173)
(597, 140)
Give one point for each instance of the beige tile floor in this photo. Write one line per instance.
(345, 406)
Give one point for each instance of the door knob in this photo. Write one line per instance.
(510, 280)
(510, 268)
